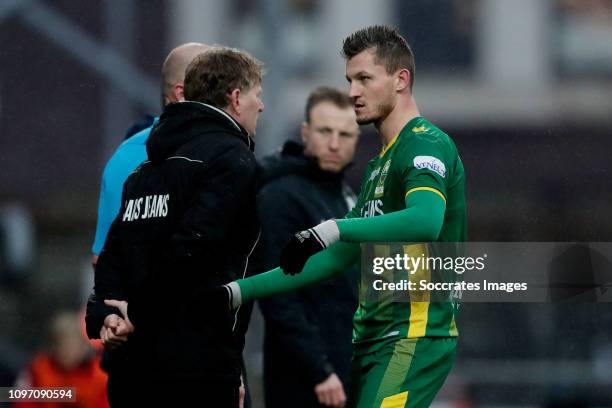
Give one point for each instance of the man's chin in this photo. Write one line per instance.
(330, 167)
(365, 120)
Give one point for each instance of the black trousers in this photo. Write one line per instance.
(129, 392)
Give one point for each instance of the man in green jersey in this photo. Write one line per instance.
(413, 191)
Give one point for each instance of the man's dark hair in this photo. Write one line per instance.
(391, 50)
(214, 74)
(327, 94)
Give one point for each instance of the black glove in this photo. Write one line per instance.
(306, 243)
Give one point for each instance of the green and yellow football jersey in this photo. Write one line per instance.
(420, 157)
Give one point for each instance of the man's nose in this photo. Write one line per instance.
(354, 90)
(334, 142)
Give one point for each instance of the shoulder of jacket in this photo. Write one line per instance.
(218, 143)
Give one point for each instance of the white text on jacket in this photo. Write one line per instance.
(154, 206)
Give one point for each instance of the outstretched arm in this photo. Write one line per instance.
(420, 221)
(324, 265)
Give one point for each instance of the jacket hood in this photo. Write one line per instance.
(291, 160)
(182, 121)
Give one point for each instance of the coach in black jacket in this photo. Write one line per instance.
(187, 223)
(307, 345)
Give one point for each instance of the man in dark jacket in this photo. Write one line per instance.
(307, 345)
(187, 223)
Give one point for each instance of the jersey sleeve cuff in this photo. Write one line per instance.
(235, 295)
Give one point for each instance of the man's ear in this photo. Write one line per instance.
(234, 101)
(177, 92)
(403, 80)
(304, 132)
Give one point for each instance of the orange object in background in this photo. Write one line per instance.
(70, 362)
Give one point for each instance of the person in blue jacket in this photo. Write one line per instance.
(132, 151)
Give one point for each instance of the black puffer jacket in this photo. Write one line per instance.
(308, 332)
(187, 222)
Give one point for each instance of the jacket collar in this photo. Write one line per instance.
(230, 120)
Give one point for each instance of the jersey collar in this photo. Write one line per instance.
(411, 122)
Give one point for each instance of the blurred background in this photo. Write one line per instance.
(523, 86)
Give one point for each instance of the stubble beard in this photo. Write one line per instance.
(382, 110)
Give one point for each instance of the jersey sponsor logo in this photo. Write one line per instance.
(151, 206)
(372, 208)
(380, 186)
(420, 129)
(430, 163)
(374, 174)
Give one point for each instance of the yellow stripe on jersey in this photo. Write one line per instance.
(418, 319)
(395, 401)
(433, 190)
(419, 299)
(386, 148)
(453, 332)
